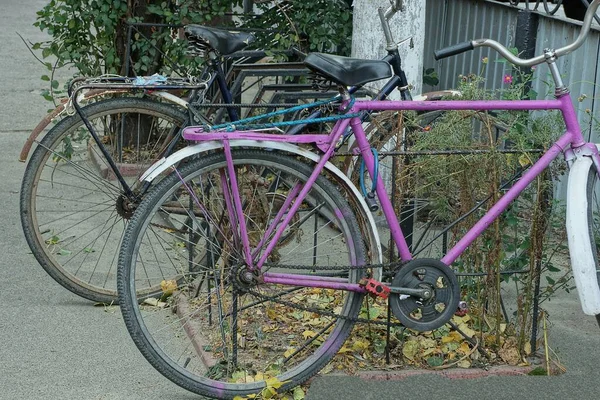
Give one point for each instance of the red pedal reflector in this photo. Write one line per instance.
(376, 288)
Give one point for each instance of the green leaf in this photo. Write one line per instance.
(53, 240)
(64, 252)
(435, 361)
(552, 268)
(46, 52)
(298, 393)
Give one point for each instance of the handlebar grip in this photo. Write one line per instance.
(453, 50)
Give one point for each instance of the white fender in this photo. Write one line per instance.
(374, 244)
(578, 232)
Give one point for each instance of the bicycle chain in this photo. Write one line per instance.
(317, 310)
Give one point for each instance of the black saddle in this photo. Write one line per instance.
(225, 42)
(348, 71)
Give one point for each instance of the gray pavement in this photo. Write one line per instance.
(57, 346)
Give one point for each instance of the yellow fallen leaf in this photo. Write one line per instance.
(466, 330)
(151, 301)
(274, 383)
(268, 392)
(464, 348)
(298, 393)
(360, 345)
(410, 349)
(270, 328)
(509, 352)
(308, 334)
(271, 313)
(524, 160)
(447, 339)
(168, 287)
(328, 368)
(155, 302)
(466, 363)
(429, 351)
(289, 352)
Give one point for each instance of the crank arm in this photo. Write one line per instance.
(422, 293)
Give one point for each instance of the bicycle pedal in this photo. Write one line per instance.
(375, 288)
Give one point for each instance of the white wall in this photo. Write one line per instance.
(368, 40)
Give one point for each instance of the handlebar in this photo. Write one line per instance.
(504, 52)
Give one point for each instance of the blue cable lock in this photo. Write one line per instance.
(370, 197)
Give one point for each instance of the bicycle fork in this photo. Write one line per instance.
(582, 160)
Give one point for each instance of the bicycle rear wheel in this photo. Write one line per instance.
(72, 209)
(223, 332)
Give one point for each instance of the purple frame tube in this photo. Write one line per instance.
(571, 139)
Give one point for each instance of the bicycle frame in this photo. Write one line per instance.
(570, 144)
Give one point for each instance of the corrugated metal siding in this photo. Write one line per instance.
(453, 21)
(579, 69)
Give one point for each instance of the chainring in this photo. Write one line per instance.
(425, 314)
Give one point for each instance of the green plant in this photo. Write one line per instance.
(91, 36)
(310, 25)
(466, 184)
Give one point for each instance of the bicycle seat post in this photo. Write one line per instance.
(384, 16)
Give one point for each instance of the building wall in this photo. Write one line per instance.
(368, 40)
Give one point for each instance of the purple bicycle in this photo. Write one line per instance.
(249, 301)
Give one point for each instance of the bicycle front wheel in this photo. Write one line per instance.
(73, 210)
(593, 202)
(218, 329)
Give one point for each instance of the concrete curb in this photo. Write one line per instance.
(450, 373)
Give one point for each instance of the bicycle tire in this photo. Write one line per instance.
(69, 195)
(593, 219)
(593, 212)
(266, 327)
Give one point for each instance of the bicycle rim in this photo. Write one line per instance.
(72, 209)
(214, 332)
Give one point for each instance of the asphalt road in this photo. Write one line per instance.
(57, 346)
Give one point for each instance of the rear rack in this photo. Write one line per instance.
(154, 82)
